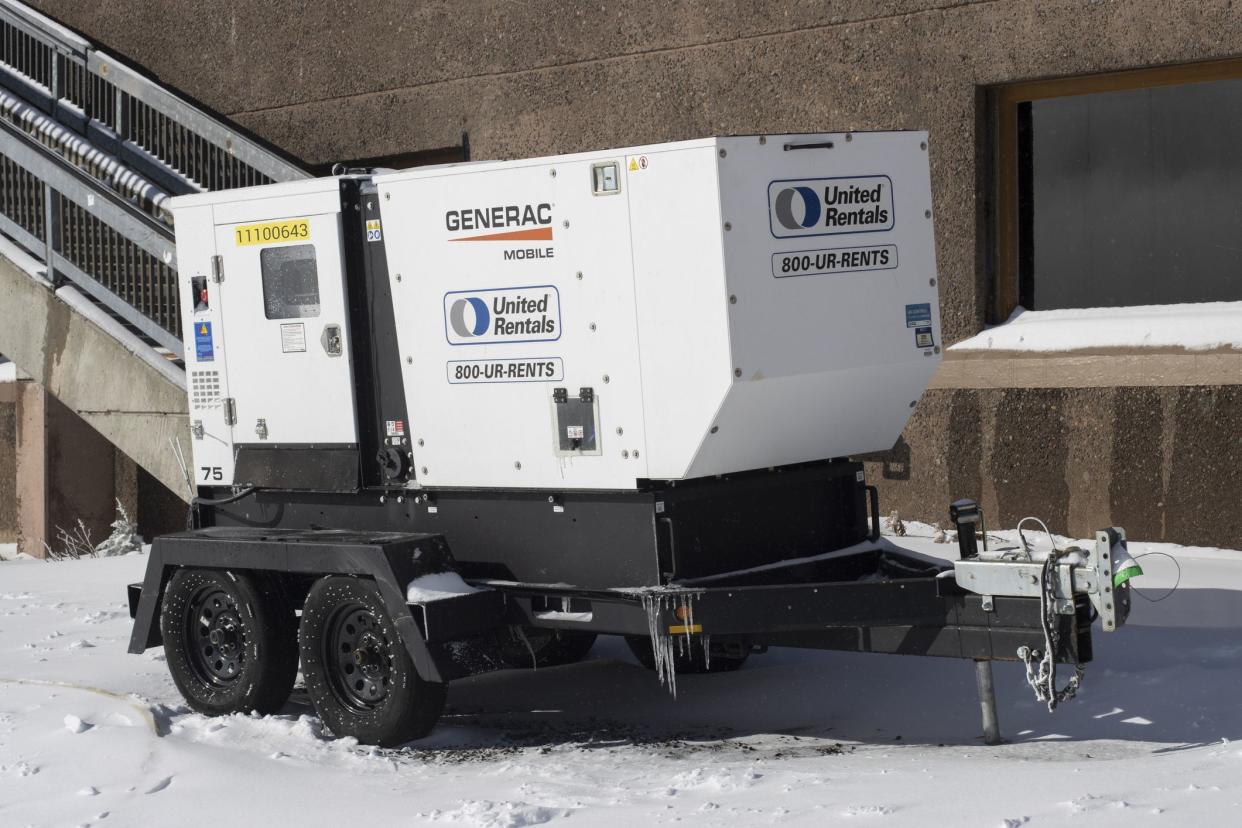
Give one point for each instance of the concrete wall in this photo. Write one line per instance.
(328, 82)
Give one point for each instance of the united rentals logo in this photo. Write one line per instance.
(808, 202)
(830, 206)
(478, 324)
(507, 222)
(497, 315)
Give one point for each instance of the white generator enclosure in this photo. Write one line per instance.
(265, 323)
(581, 322)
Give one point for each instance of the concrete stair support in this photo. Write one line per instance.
(94, 369)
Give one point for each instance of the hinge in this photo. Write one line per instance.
(196, 428)
(230, 411)
(217, 269)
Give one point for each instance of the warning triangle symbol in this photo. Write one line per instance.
(633, 165)
(203, 329)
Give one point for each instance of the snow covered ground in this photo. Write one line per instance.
(1195, 327)
(92, 736)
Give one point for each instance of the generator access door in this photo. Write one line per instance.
(286, 343)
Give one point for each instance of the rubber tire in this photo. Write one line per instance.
(412, 706)
(552, 647)
(689, 662)
(270, 657)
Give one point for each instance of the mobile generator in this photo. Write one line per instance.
(524, 403)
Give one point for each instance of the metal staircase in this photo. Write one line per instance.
(90, 152)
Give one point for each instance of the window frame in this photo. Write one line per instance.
(1006, 101)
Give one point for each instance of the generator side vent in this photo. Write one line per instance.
(204, 390)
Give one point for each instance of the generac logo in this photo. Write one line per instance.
(506, 222)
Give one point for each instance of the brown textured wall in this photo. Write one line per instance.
(8, 469)
(333, 81)
(363, 79)
(1165, 463)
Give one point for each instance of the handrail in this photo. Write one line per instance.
(203, 125)
(90, 150)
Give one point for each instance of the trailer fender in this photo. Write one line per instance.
(391, 559)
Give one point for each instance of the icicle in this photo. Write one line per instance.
(661, 645)
(707, 652)
(521, 633)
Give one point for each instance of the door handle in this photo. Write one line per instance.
(331, 340)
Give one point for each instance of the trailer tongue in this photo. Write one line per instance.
(607, 391)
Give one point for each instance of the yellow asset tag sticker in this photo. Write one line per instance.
(270, 232)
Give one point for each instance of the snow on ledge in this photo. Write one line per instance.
(1196, 327)
(436, 587)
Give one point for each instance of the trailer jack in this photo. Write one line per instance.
(1101, 574)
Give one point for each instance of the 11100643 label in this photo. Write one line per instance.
(272, 232)
(834, 260)
(534, 369)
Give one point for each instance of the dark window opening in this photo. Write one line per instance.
(1120, 190)
(290, 281)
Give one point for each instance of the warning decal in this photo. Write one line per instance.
(918, 316)
(293, 338)
(204, 349)
(373, 230)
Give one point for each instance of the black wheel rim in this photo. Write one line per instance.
(218, 636)
(358, 657)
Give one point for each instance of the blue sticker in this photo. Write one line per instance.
(918, 316)
(204, 351)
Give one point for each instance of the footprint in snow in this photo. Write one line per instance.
(80, 645)
(90, 790)
(867, 810)
(73, 724)
(161, 785)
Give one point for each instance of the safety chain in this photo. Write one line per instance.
(1044, 680)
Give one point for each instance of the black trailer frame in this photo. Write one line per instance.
(876, 598)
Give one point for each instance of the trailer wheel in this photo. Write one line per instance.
(688, 659)
(230, 640)
(525, 647)
(358, 674)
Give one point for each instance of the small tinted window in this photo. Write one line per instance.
(290, 281)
